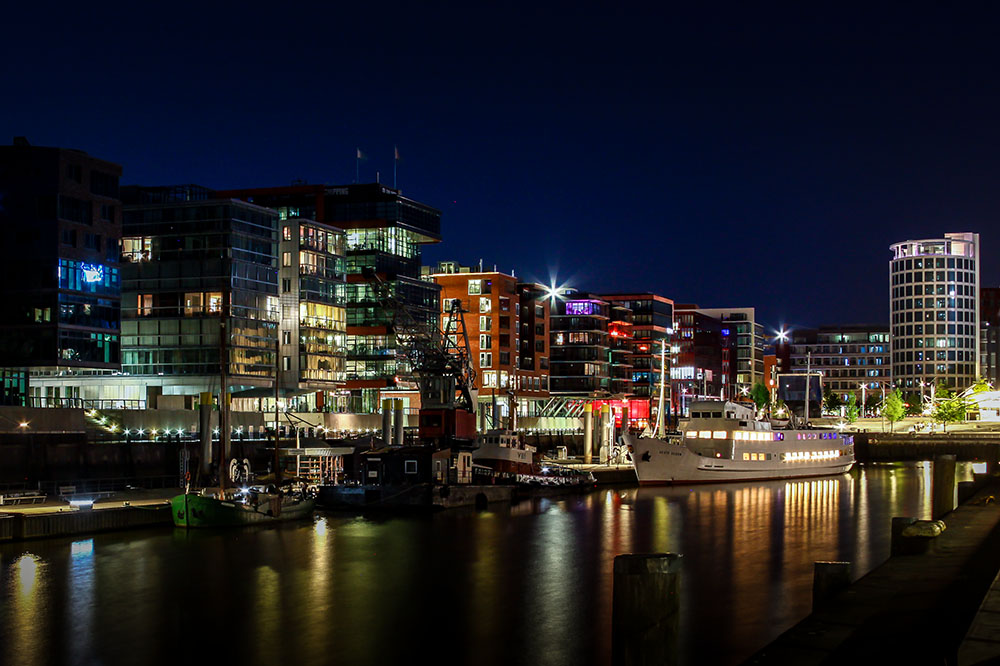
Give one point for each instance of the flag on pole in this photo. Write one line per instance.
(361, 155)
(396, 148)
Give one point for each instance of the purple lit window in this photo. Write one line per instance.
(579, 308)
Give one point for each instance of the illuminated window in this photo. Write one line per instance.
(475, 286)
(485, 323)
(485, 341)
(746, 456)
(192, 303)
(705, 434)
(145, 304)
(286, 232)
(485, 305)
(719, 434)
(485, 359)
(214, 301)
(286, 258)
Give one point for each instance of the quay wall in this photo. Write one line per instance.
(6, 527)
(17, 526)
(887, 447)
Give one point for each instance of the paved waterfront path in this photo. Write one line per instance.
(133, 497)
(912, 609)
(982, 643)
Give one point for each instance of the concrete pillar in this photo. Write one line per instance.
(386, 421)
(400, 421)
(897, 542)
(945, 489)
(588, 433)
(205, 431)
(481, 408)
(606, 425)
(829, 580)
(645, 609)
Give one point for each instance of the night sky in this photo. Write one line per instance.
(722, 156)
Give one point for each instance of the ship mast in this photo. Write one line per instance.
(659, 409)
(224, 437)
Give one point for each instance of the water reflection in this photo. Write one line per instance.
(528, 584)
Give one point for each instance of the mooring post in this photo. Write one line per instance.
(386, 421)
(205, 432)
(400, 421)
(645, 609)
(829, 580)
(897, 544)
(945, 497)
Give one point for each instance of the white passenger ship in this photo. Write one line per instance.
(723, 442)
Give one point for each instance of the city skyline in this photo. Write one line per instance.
(685, 154)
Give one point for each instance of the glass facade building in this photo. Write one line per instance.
(61, 212)
(192, 261)
(384, 231)
(934, 308)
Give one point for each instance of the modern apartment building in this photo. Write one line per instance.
(581, 346)
(935, 311)
(507, 323)
(61, 212)
(748, 346)
(702, 358)
(313, 331)
(848, 356)
(652, 322)
(384, 232)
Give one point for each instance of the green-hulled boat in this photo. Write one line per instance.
(196, 510)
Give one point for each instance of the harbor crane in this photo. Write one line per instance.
(439, 361)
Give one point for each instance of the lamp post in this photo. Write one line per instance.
(863, 387)
(808, 370)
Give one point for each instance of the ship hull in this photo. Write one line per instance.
(192, 510)
(660, 462)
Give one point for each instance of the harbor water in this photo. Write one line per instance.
(523, 584)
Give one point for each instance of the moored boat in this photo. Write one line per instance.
(237, 507)
(723, 442)
(513, 461)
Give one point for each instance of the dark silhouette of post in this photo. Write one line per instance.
(945, 497)
(645, 609)
(829, 580)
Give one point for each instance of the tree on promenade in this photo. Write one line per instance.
(894, 409)
(760, 395)
(949, 407)
(831, 401)
(852, 408)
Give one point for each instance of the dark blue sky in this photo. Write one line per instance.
(723, 156)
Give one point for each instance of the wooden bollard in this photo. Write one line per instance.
(645, 609)
(945, 492)
(829, 580)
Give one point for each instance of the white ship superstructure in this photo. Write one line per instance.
(722, 441)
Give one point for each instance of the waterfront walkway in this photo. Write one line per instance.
(913, 608)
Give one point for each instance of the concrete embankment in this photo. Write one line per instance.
(913, 608)
(17, 526)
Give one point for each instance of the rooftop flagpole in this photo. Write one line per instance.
(395, 161)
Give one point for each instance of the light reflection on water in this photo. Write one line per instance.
(529, 584)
